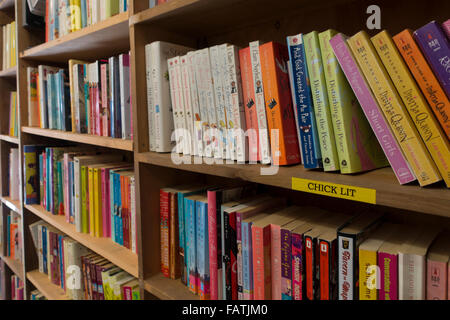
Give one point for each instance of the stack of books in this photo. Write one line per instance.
(37, 295)
(91, 98)
(227, 243)
(14, 235)
(325, 100)
(94, 191)
(63, 16)
(59, 256)
(9, 46)
(17, 288)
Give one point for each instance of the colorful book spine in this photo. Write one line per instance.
(370, 107)
(437, 143)
(394, 110)
(213, 244)
(31, 175)
(425, 78)
(320, 100)
(388, 266)
(279, 109)
(258, 264)
(202, 250)
(247, 260)
(286, 265)
(297, 266)
(192, 245)
(164, 227)
(446, 27)
(249, 104)
(307, 128)
(174, 265)
(436, 48)
(437, 278)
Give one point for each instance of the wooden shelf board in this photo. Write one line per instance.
(9, 139)
(103, 39)
(6, 4)
(106, 142)
(431, 200)
(45, 286)
(15, 265)
(9, 73)
(117, 254)
(168, 289)
(14, 205)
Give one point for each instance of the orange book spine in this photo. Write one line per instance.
(279, 109)
(258, 263)
(425, 78)
(250, 105)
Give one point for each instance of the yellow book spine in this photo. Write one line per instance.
(13, 44)
(437, 143)
(368, 275)
(98, 202)
(92, 193)
(393, 109)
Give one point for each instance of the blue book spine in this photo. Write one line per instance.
(202, 249)
(112, 196)
(44, 249)
(119, 216)
(187, 238)
(117, 210)
(245, 258)
(181, 232)
(152, 3)
(306, 120)
(83, 14)
(193, 268)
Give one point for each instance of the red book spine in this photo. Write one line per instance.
(233, 257)
(275, 243)
(324, 262)
(212, 241)
(258, 263)
(47, 21)
(250, 105)
(127, 293)
(100, 292)
(164, 229)
(267, 262)
(309, 267)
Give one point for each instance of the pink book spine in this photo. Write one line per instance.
(44, 166)
(212, 240)
(105, 102)
(437, 279)
(275, 247)
(131, 102)
(446, 27)
(297, 267)
(376, 120)
(127, 293)
(388, 264)
(66, 187)
(105, 204)
(258, 263)
(97, 111)
(240, 280)
(13, 288)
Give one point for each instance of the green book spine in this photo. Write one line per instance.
(60, 188)
(112, 8)
(357, 146)
(320, 100)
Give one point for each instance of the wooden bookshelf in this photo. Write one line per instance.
(9, 73)
(14, 205)
(9, 139)
(45, 286)
(94, 140)
(117, 254)
(15, 265)
(168, 289)
(110, 36)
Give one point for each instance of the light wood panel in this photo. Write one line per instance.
(45, 286)
(117, 254)
(168, 289)
(14, 205)
(9, 139)
(15, 266)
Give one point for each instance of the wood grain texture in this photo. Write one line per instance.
(15, 266)
(45, 286)
(168, 289)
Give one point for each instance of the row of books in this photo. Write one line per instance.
(65, 16)
(226, 243)
(9, 46)
(94, 191)
(98, 279)
(13, 115)
(89, 98)
(37, 295)
(334, 105)
(14, 174)
(16, 288)
(154, 3)
(13, 248)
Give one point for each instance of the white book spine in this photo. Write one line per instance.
(124, 76)
(188, 112)
(133, 214)
(198, 134)
(174, 98)
(260, 103)
(14, 182)
(345, 267)
(151, 109)
(230, 147)
(237, 102)
(184, 138)
(219, 101)
(411, 277)
(207, 84)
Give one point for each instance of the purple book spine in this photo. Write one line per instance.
(436, 48)
(286, 265)
(297, 266)
(240, 281)
(373, 114)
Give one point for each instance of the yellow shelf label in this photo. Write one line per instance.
(335, 190)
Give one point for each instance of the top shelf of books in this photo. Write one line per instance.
(105, 38)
